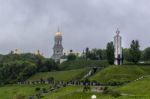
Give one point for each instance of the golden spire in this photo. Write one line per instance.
(58, 33)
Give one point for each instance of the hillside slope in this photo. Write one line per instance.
(120, 73)
(140, 87)
(60, 75)
(15, 91)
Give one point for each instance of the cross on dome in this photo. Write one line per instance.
(58, 33)
(117, 31)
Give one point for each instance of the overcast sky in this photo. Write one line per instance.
(29, 25)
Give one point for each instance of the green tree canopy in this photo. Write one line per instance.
(134, 51)
(110, 53)
(146, 54)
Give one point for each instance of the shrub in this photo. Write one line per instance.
(115, 94)
(37, 89)
(44, 90)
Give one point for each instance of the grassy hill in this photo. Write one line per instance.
(121, 73)
(109, 74)
(71, 92)
(140, 87)
(16, 91)
(60, 75)
(77, 64)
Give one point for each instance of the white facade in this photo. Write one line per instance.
(118, 48)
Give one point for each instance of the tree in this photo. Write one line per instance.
(71, 57)
(134, 51)
(126, 54)
(110, 53)
(146, 54)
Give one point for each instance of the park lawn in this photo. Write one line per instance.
(84, 95)
(60, 75)
(12, 91)
(62, 91)
(120, 73)
(140, 87)
(87, 95)
(75, 92)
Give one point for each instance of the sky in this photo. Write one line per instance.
(29, 25)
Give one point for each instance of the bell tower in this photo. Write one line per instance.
(58, 48)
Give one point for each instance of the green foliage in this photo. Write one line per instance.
(16, 71)
(135, 52)
(110, 53)
(46, 65)
(146, 54)
(71, 57)
(19, 67)
(96, 54)
(126, 54)
(37, 89)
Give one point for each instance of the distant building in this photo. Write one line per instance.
(58, 48)
(16, 51)
(118, 48)
(38, 53)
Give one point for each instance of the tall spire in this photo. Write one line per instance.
(58, 30)
(117, 31)
(58, 33)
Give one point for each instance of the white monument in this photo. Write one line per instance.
(118, 48)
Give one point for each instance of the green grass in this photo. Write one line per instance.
(75, 92)
(62, 92)
(87, 95)
(69, 92)
(140, 87)
(61, 75)
(82, 63)
(120, 73)
(12, 91)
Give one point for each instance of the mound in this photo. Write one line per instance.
(60, 75)
(120, 74)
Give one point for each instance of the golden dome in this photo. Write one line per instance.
(58, 34)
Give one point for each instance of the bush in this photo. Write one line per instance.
(44, 90)
(115, 94)
(37, 89)
(105, 90)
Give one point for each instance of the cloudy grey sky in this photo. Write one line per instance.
(29, 25)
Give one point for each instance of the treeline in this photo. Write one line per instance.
(19, 67)
(132, 55)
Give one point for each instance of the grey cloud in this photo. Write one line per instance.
(31, 24)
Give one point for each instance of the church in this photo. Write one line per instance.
(58, 47)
